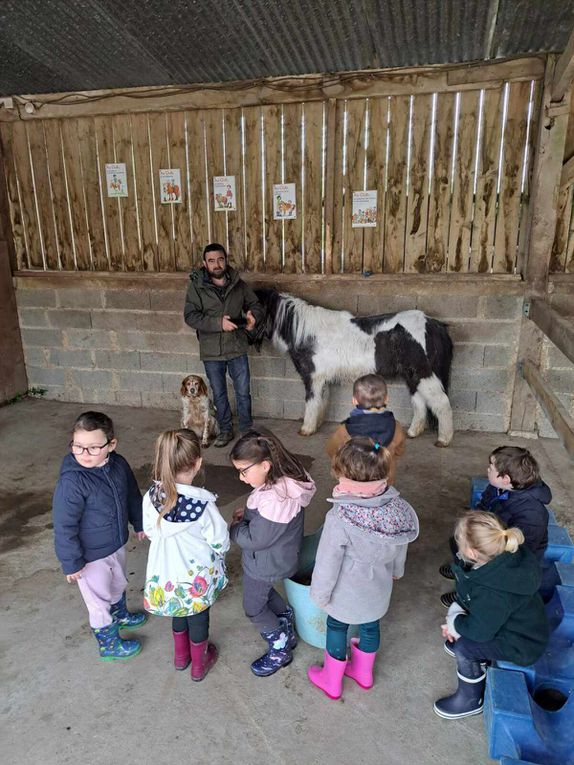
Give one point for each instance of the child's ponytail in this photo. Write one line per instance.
(514, 538)
(176, 451)
(485, 533)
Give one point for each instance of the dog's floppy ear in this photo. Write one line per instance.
(202, 386)
(183, 389)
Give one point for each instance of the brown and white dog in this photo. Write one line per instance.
(198, 411)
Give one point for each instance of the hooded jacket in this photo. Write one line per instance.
(524, 509)
(271, 532)
(91, 509)
(186, 560)
(206, 305)
(362, 547)
(503, 605)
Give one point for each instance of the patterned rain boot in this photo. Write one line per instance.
(182, 655)
(469, 696)
(112, 646)
(203, 657)
(125, 619)
(289, 616)
(360, 666)
(329, 677)
(279, 653)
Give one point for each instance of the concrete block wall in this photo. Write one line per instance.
(117, 340)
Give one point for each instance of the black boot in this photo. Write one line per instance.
(289, 616)
(469, 696)
(279, 653)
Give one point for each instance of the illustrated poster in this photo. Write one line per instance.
(364, 209)
(170, 186)
(284, 201)
(117, 180)
(224, 192)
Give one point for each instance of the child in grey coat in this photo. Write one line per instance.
(363, 548)
(270, 532)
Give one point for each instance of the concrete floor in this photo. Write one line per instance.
(62, 705)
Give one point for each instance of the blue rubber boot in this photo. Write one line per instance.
(125, 619)
(279, 653)
(469, 696)
(112, 646)
(289, 616)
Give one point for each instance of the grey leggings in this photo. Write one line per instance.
(262, 604)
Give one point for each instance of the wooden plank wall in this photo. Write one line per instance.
(449, 171)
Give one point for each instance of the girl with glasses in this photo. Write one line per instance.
(270, 532)
(95, 498)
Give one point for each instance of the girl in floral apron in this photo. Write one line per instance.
(186, 561)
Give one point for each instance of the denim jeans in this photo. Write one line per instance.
(369, 638)
(238, 369)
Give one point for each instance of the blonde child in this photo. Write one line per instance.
(371, 418)
(362, 550)
(186, 561)
(95, 497)
(270, 532)
(499, 614)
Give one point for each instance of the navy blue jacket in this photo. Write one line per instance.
(380, 426)
(523, 508)
(91, 509)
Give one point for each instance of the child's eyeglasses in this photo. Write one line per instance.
(93, 451)
(245, 469)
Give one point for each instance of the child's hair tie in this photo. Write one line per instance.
(377, 446)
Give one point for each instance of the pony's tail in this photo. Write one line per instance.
(439, 350)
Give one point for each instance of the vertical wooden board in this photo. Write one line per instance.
(53, 138)
(27, 195)
(570, 247)
(418, 199)
(106, 152)
(273, 228)
(128, 205)
(485, 201)
(13, 196)
(373, 243)
(234, 165)
(76, 194)
(292, 230)
(332, 110)
(439, 199)
(312, 200)
(525, 196)
(147, 208)
(336, 138)
(159, 161)
(177, 153)
(463, 182)
(43, 196)
(396, 198)
(93, 193)
(560, 243)
(253, 189)
(213, 121)
(199, 192)
(354, 181)
(506, 238)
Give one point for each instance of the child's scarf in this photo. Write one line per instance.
(359, 488)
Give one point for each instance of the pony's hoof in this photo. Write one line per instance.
(303, 432)
(441, 444)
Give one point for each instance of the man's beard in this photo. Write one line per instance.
(218, 273)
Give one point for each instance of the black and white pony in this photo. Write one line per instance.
(329, 346)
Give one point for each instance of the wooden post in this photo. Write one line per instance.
(542, 214)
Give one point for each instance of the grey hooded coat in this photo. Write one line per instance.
(363, 547)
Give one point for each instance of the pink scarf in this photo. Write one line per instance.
(359, 488)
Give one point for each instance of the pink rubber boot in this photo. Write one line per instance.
(360, 665)
(203, 657)
(181, 657)
(329, 677)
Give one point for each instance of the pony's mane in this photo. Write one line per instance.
(297, 321)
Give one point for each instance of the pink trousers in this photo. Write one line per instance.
(103, 582)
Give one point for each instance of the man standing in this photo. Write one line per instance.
(221, 307)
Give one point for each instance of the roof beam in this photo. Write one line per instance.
(564, 72)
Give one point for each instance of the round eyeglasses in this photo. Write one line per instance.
(93, 451)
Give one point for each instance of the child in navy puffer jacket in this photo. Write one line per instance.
(95, 497)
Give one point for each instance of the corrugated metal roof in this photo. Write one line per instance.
(67, 45)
